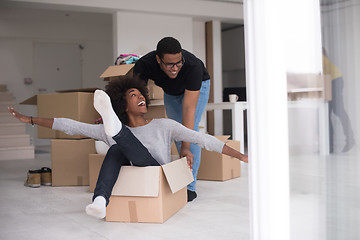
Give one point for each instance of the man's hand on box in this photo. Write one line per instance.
(185, 152)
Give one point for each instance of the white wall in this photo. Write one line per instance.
(16, 64)
(93, 32)
(230, 11)
(20, 28)
(18, 33)
(139, 33)
(199, 40)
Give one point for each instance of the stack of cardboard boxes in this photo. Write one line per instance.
(69, 154)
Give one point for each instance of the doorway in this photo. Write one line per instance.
(233, 69)
(57, 66)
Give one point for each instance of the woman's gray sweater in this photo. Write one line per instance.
(157, 136)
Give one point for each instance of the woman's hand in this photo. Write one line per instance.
(234, 153)
(22, 118)
(43, 122)
(185, 152)
(243, 158)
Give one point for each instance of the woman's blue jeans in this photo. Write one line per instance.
(128, 149)
(173, 106)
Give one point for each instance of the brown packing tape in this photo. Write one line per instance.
(133, 212)
(79, 180)
(232, 173)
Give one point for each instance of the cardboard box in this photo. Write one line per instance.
(95, 162)
(155, 92)
(156, 111)
(70, 161)
(149, 194)
(117, 70)
(217, 166)
(75, 104)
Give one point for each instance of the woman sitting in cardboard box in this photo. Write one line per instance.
(134, 140)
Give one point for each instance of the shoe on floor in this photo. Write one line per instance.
(33, 178)
(46, 176)
(191, 195)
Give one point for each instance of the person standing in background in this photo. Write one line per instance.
(336, 105)
(186, 85)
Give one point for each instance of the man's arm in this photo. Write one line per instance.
(188, 117)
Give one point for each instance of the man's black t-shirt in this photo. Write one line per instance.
(190, 76)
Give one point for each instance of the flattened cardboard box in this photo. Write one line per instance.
(70, 161)
(74, 104)
(149, 194)
(217, 166)
(155, 92)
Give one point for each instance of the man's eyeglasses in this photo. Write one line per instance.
(179, 64)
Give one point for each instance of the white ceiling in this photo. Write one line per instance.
(34, 14)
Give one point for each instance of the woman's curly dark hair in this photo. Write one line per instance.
(116, 89)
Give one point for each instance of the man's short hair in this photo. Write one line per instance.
(168, 45)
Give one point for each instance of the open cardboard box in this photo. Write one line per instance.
(117, 70)
(96, 160)
(149, 194)
(155, 92)
(76, 104)
(217, 166)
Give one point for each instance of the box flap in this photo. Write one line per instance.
(137, 182)
(30, 101)
(117, 70)
(78, 90)
(178, 174)
(223, 138)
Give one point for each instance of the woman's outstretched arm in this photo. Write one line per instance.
(43, 122)
(234, 153)
(68, 126)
